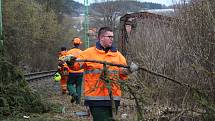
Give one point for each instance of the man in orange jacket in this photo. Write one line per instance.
(74, 83)
(63, 69)
(62, 52)
(96, 90)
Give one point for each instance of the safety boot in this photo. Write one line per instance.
(73, 98)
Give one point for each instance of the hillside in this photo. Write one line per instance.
(122, 6)
(131, 6)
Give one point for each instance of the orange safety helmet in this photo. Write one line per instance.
(77, 40)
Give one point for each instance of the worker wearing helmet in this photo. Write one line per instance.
(74, 83)
(96, 92)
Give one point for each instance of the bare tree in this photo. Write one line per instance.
(105, 14)
(182, 49)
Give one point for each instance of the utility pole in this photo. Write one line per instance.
(86, 24)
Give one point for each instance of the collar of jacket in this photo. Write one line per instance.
(99, 46)
(75, 46)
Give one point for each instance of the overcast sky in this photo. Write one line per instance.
(166, 2)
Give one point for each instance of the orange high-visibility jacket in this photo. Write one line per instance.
(75, 52)
(64, 71)
(94, 87)
(62, 53)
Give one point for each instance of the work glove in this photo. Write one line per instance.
(60, 63)
(70, 60)
(133, 67)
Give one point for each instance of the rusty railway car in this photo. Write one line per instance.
(128, 23)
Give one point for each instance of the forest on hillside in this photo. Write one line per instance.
(35, 30)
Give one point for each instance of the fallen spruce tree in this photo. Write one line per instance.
(16, 97)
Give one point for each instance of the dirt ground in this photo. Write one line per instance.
(68, 110)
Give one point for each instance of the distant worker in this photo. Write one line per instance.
(63, 70)
(96, 91)
(63, 52)
(74, 84)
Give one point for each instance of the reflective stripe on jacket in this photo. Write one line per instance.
(94, 87)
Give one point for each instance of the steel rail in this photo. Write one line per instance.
(36, 73)
(39, 75)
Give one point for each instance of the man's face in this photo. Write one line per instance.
(106, 39)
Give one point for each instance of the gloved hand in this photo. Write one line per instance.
(133, 67)
(60, 63)
(70, 60)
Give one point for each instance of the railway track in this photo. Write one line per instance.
(39, 75)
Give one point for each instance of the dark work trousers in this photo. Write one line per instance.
(101, 113)
(74, 85)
